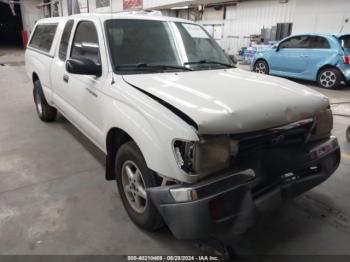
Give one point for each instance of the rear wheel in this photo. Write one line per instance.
(45, 112)
(261, 67)
(329, 78)
(133, 178)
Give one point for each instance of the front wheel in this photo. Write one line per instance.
(329, 78)
(261, 67)
(133, 178)
(348, 134)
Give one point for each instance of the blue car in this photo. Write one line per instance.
(324, 58)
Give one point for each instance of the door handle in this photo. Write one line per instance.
(66, 78)
(91, 92)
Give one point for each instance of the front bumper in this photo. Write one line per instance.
(230, 203)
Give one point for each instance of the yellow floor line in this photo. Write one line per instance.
(346, 156)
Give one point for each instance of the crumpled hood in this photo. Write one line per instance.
(232, 101)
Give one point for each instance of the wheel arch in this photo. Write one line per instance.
(329, 66)
(262, 59)
(115, 138)
(35, 77)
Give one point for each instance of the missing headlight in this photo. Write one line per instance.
(323, 125)
(206, 156)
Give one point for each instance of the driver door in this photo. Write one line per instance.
(82, 93)
(290, 58)
(85, 91)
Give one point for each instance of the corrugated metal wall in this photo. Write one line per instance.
(321, 16)
(249, 17)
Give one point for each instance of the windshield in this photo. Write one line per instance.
(345, 41)
(148, 46)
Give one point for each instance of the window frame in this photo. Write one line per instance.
(288, 39)
(76, 27)
(69, 40)
(340, 40)
(42, 51)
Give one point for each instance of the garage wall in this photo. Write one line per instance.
(249, 17)
(149, 4)
(30, 14)
(117, 5)
(245, 19)
(321, 16)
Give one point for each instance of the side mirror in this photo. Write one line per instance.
(233, 59)
(83, 66)
(276, 48)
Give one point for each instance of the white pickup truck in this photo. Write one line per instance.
(192, 141)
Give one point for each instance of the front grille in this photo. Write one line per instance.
(272, 153)
(273, 138)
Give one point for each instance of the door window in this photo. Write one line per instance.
(319, 42)
(85, 43)
(62, 53)
(296, 42)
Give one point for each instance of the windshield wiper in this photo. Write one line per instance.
(152, 66)
(208, 62)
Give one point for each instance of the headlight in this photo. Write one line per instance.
(323, 125)
(206, 156)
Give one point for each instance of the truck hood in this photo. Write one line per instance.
(231, 101)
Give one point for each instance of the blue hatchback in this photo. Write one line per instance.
(324, 58)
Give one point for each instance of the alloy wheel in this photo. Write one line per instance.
(134, 186)
(260, 68)
(328, 79)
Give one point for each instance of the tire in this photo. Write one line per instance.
(329, 78)
(45, 112)
(261, 67)
(136, 202)
(348, 134)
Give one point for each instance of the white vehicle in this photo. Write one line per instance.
(192, 141)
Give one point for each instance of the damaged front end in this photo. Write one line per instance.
(246, 173)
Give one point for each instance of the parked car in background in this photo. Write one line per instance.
(317, 57)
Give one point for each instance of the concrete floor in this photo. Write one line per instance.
(54, 199)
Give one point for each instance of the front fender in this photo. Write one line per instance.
(153, 128)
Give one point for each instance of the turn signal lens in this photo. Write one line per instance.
(346, 59)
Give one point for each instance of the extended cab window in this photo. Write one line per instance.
(296, 42)
(319, 42)
(62, 53)
(43, 37)
(85, 43)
